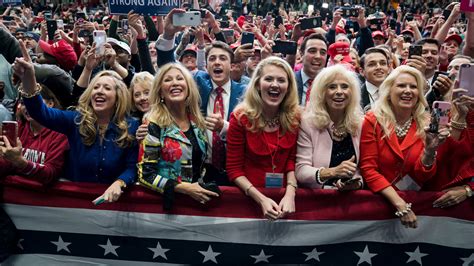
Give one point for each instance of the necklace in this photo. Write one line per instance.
(272, 123)
(338, 132)
(402, 130)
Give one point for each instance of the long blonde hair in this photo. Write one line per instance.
(88, 118)
(317, 110)
(159, 113)
(383, 108)
(252, 104)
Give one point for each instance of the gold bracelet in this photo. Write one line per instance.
(29, 95)
(458, 125)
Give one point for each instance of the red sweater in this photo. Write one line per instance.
(455, 161)
(249, 153)
(44, 152)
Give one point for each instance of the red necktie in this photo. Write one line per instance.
(218, 148)
(308, 90)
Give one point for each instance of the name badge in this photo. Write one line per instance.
(407, 183)
(273, 180)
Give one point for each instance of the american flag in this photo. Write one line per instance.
(60, 225)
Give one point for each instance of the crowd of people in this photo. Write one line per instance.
(186, 109)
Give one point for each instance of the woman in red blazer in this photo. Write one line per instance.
(396, 152)
(261, 140)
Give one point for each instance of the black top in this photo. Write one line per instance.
(342, 151)
(196, 154)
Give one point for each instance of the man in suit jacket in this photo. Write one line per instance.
(213, 84)
(374, 68)
(314, 56)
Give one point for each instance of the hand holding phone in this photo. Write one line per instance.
(439, 115)
(247, 37)
(310, 23)
(285, 47)
(10, 131)
(98, 200)
(52, 26)
(192, 18)
(100, 38)
(415, 50)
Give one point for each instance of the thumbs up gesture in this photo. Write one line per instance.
(346, 169)
(215, 121)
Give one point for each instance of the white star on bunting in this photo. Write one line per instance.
(365, 256)
(261, 257)
(159, 251)
(60, 245)
(314, 254)
(109, 248)
(209, 255)
(469, 261)
(416, 255)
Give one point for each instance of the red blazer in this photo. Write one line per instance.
(249, 154)
(384, 161)
(455, 161)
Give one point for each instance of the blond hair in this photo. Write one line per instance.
(383, 108)
(143, 79)
(252, 104)
(88, 118)
(159, 112)
(317, 110)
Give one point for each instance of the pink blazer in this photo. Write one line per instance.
(314, 150)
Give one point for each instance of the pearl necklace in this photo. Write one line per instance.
(402, 130)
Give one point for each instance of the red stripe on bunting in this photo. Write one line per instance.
(310, 204)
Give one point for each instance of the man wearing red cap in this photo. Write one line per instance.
(378, 37)
(59, 53)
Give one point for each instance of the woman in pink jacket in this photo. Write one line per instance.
(329, 136)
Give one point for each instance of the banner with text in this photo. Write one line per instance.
(10, 2)
(145, 7)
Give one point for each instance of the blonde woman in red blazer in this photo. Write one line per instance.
(394, 143)
(329, 136)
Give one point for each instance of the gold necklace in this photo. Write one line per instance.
(339, 132)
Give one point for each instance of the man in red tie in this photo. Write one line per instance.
(314, 56)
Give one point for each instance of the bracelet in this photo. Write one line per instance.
(458, 125)
(318, 176)
(29, 95)
(404, 212)
(293, 184)
(247, 190)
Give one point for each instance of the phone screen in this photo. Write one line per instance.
(247, 37)
(10, 130)
(52, 26)
(100, 38)
(466, 79)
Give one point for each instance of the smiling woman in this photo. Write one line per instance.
(261, 140)
(140, 88)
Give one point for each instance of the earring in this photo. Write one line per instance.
(162, 100)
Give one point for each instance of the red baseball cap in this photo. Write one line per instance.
(62, 52)
(454, 37)
(341, 48)
(378, 33)
(340, 29)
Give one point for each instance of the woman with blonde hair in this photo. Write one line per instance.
(397, 153)
(329, 137)
(261, 140)
(140, 88)
(175, 148)
(99, 131)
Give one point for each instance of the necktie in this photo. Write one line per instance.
(218, 148)
(308, 90)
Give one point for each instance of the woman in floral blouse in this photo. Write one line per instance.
(173, 152)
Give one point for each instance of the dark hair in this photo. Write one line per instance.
(372, 50)
(428, 40)
(313, 36)
(221, 45)
(48, 95)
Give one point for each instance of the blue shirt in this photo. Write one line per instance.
(99, 163)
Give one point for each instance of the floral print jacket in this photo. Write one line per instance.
(166, 154)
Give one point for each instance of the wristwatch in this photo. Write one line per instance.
(468, 191)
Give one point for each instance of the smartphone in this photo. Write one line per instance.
(100, 38)
(351, 181)
(436, 74)
(52, 26)
(247, 37)
(249, 19)
(10, 130)
(285, 47)
(60, 23)
(268, 19)
(191, 18)
(466, 80)
(439, 115)
(446, 14)
(228, 33)
(310, 23)
(325, 5)
(124, 25)
(84, 33)
(278, 21)
(349, 11)
(47, 15)
(80, 15)
(224, 24)
(201, 11)
(409, 17)
(415, 50)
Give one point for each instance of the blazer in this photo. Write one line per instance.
(384, 161)
(164, 152)
(249, 154)
(300, 85)
(203, 80)
(364, 97)
(314, 150)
